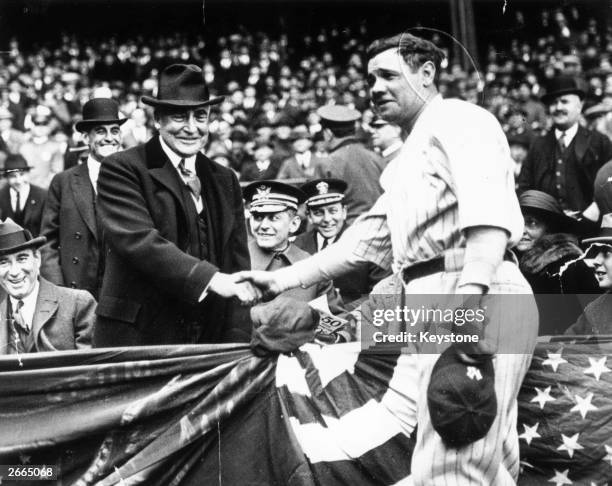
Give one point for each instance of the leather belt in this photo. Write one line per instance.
(441, 263)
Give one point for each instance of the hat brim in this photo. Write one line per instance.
(147, 100)
(20, 169)
(33, 243)
(561, 221)
(607, 240)
(86, 125)
(549, 97)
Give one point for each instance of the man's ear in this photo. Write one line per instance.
(85, 138)
(294, 224)
(428, 73)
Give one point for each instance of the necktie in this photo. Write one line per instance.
(192, 180)
(325, 243)
(18, 317)
(18, 206)
(562, 142)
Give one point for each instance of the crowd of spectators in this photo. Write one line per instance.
(275, 84)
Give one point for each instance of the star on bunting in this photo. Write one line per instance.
(560, 478)
(597, 368)
(570, 444)
(554, 360)
(543, 396)
(530, 433)
(583, 405)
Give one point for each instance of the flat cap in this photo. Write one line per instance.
(338, 114)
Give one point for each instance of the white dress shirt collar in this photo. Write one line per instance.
(570, 133)
(24, 192)
(175, 158)
(93, 168)
(29, 306)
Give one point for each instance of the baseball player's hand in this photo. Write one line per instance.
(229, 286)
(266, 282)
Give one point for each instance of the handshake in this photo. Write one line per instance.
(249, 287)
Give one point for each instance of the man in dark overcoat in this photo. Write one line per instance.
(565, 161)
(20, 200)
(174, 224)
(349, 160)
(73, 255)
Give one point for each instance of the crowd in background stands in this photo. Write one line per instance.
(275, 85)
(275, 88)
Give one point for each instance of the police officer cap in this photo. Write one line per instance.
(272, 196)
(338, 115)
(322, 192)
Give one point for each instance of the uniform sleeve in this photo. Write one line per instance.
(367, 240)
(50, 228)
(479, 160)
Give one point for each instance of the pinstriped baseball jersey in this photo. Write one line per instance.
(453, 172)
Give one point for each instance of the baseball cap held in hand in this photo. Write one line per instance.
(461, 399)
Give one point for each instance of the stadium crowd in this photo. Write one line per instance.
(299, 109)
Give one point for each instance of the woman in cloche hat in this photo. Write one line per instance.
(597, 316)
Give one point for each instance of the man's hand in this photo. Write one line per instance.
(264, 281)
(228, 286)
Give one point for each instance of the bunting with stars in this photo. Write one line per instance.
(329, 415)
(565, 414)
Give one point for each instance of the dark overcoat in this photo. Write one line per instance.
(152, 281)
(32, 210)
(71, 257)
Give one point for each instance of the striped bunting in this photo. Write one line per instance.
(351, 412)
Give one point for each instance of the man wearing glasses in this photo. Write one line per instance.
(174, 223)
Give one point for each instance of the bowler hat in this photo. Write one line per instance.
(99, 111)
(15, 163)
(605, 233)
(548, 209)
(182, 86)
(461, 399)
(562, 85)
(14, 238)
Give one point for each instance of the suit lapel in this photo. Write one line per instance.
(162, 170)
(83, 194)
(46, 306)
(581, 142)
(6, 202)
(216, 188)
(4, 327)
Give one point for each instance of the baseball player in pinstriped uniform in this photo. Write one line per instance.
(444, 223)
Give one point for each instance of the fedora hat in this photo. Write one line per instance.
(15, 163)
(562, 85)
(548, 209)
(99, 111)
(14, 238)
(182, 86)
(605, 233)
